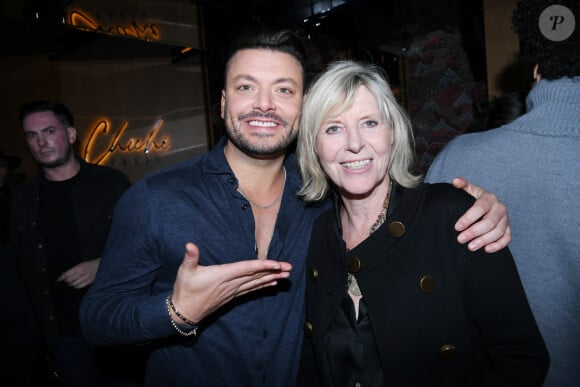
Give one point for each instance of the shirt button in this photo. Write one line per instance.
(396, 229)
(40, 246)
(427, 284)
(244, 206)
(314, 274)
(231, 180)
(447, 351)
(354, 264)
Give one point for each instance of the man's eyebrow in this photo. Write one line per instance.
(251, 78)
(244, 77)
(284, 80)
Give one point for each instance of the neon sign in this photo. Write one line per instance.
(82, 20)
(103, 128)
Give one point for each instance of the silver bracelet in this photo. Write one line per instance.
(169, 306)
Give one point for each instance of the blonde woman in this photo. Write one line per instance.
(392, 298)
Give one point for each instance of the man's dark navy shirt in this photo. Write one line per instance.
(255, 339)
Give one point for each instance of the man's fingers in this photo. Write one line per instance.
(191, 256)
(254, 267)
(79, 284)
(246, 276)
(483, 204)
(254, 283)
(68, 276)
(469, 218)
(488, 230)
(486, 223)
(501, 243)
(459, 182)
(488, 205)
(472, 189)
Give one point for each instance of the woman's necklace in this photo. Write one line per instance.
(351, 282)
(267, 206)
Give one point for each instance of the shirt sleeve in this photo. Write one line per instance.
(120, 307)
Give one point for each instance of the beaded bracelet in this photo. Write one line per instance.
(182, 317)
(171, 307)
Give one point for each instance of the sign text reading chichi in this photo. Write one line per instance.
(103, 131)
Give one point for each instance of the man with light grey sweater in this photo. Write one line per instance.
(533, 165)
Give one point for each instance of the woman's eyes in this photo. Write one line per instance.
(370, 123)
(367, 124)
(332, 129)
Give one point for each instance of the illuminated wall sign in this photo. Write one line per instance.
(169, 22)
(83, 20)
(102, 132)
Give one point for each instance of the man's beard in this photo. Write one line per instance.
(258, 147)
(59, 162)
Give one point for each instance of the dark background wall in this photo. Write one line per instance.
(436, 53)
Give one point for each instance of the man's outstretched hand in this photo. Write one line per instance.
(200, 290)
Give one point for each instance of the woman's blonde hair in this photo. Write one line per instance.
(333, 92)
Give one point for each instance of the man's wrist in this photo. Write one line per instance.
(188, 328)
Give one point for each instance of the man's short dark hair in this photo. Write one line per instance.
(60, 111)
(555, 59)
(284, 41)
